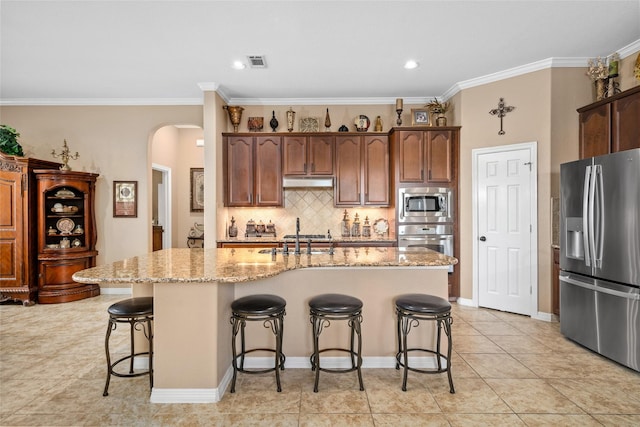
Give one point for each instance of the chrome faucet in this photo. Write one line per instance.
(297, 251)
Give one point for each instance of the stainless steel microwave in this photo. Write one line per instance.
(425, 204)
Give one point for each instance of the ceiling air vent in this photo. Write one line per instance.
(257, 61)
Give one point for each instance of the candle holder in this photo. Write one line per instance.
(399, 121)
(65, 156)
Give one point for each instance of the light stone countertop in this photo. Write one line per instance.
(244, 265)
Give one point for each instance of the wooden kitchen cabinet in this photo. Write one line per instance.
(426, 157)
(305, 155)
(555, 282)
(253, 170)
(18, 228)
(362, 170)
(66, 234)
(610, 125)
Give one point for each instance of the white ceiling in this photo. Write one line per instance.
(162, 52)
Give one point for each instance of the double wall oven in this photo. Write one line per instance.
(425, 219)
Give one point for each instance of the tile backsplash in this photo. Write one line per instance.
(314, 207)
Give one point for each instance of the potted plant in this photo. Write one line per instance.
(9, 141)
(439, 109)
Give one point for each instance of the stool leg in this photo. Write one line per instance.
(357, 325)
(106, 347)
(132, 323)
(277, 324)
(315, 321)
(235, 325)
(447, 331)
(281, 336)
(439, 322)
(398, 317)
(243, 350)
(150, 338)
(405, 331)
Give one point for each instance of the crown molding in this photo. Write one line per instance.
(327, 101)
(68, 102)
(630, 49)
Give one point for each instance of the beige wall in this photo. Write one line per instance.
(112, 141)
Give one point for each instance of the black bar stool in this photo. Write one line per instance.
(138, 313)
(267, 308)
(410, 309)
(324, 308)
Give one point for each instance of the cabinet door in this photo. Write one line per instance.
(411, 156)
(375, 173)
(268, 171)
(321, 155)
(348, 160)
(295, 155)
(239, 171)
(595, 131)
(439, 156)
(626, 123)
(12, 230)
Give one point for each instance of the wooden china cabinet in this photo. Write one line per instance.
(18, 231)
(66, 234)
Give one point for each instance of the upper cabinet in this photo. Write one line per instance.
(362, 170)
(610, 125)
(426, 157)
(253, 170)
(307, 155)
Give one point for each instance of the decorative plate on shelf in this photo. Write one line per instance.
(309, 124)
(65, 225)
(65, 194)
(381, 226)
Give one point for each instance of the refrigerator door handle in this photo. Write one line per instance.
(626, 295)
(585, 216)
(592, 204)
(597, 257)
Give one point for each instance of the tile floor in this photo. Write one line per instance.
(507, 369)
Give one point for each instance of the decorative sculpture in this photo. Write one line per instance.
(501, 111)
(65, 156)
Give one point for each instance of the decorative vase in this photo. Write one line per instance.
(233, 228)
(291, 117)
(441, 120)
(600, 89)
(274, 122)
(235, 114)
(378, 125)
(327, 122)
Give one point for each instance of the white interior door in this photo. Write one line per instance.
(504, 184)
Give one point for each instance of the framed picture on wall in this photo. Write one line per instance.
(125, 199)
(197, 189)
(419, 117)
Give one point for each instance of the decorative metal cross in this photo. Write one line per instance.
(501, 111)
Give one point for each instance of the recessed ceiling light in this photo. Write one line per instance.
(239, 65)
(410, 64)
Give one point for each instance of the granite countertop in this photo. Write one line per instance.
(271, 239)
(243, 265)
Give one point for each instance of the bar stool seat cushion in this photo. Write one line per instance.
(261, 304)
(335, 304)
(423, 304)
(132, 307)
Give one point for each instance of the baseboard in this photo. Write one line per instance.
(547, 317)
(115, 291)
(466, 302)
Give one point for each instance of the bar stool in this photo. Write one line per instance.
(138, 313)
(324, 308)
(410, 309)
(267, 308)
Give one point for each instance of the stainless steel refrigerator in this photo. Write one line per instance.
(600, 255)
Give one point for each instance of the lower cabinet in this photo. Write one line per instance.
(555, 283)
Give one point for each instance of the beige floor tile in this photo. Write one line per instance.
(402, 402)
(555, 420)
(601, 397)
(573, 365)
(497, 366)
(520, 344)
(461, 328)
(496, 328)
(619, 420)
(471, 397)
(484, 420)
(331, 420)
(410, 420)
(260, 401)
(475, 344)
(335, 402)
(532, 396)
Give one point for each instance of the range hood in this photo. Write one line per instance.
(307, 182)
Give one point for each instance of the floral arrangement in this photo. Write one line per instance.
(598, 69)
(9, 141)
(437, 107)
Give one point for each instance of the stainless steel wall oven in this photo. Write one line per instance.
(437, 237)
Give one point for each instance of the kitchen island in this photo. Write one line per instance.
(193, 290)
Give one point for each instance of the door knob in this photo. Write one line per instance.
(483, 239)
